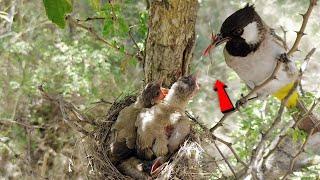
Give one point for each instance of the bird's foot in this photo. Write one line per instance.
(284, 58)
(241, 102)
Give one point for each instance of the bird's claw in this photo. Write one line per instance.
(283, 58)
(241, 102)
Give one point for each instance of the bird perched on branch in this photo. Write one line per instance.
(162, 128)
(124, 131)
(253, 50)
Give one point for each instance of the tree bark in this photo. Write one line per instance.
(171, 40)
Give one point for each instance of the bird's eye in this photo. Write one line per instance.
(238, 32)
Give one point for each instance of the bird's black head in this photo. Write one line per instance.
(242, 30)
(235, 24)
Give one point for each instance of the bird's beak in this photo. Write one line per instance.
(158, 164)
(219, 39)
(216, 40)
(163, 91)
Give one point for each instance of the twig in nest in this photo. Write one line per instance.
(96, 35)
(102, 101)
(301, 33)
(225, 160)
(229, 145)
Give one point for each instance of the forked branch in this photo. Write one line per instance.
(301, 33)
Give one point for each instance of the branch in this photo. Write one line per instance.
(67, 107)
(228, 144)
(293, 160)
(254, 90)
(284, 37)
(277, 120)
(225, 160)
(301, 33)
(96, 35)
(10, 122)
(140, 53)
(90, 19)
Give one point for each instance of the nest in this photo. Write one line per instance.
(186, 163)
(100, 146)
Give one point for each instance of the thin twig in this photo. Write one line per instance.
(293, 160)
(301, 33)
(96, 35)
(228, 144)
(140, 53)
(281, 137)
(225, 159)
(282, 40)
(254, 90)
(102, 101)
(284, 37)
(9, 122)
(64, 107)
(90, 19)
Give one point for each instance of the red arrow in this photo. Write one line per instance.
(225, 102)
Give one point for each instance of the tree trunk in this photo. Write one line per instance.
(171, 40)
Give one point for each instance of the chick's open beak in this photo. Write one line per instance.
(216, 40)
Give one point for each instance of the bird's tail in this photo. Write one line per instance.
(282, 93)
(294, 101)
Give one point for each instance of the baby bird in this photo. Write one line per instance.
(123, 131)
(162, 128)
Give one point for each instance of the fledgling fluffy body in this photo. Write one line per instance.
(124, 130)
(162, 128)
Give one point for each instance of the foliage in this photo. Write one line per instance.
(56, 10)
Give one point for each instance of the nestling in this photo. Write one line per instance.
(162, 128)
(124, 131)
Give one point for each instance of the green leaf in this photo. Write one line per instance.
(123, 26)
(108, 27)
(56, 11)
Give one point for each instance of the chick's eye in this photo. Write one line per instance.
(237, 32)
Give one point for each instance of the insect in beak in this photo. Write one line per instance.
(216, 40)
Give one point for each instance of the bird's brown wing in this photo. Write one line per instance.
(124, 127)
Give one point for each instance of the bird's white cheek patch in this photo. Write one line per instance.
(251, 33)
